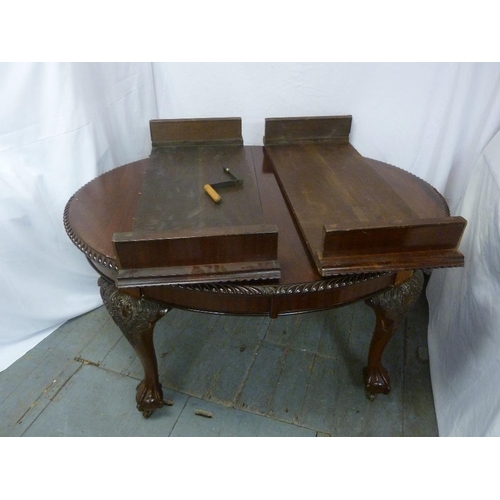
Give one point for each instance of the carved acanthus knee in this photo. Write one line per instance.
(136, 319)
(391, 307)
(133, 316)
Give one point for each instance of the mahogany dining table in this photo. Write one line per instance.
(107, 206)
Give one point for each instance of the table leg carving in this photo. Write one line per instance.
(136, 319)
(390, 309)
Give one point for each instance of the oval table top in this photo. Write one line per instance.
(107, 205)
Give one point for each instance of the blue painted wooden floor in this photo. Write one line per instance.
(293, 376)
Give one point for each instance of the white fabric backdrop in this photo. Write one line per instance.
(63, 124)
(464, 322)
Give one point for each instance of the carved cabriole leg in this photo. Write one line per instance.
(136, 318)
(390, 309)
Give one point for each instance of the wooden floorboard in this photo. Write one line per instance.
(293, 376)
(419, 417)
(27, 384)
(258, 390)
(234, 366)
(290, 392)
(230, 422)
(102, 408)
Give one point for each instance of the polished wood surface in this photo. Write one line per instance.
(169, 133)
(108, 204)
(316, 129)
(181, 236)
(351, 218)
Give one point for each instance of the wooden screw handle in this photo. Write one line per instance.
(212, 193)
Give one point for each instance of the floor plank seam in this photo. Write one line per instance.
(30, 407)
(15, 388)
(65, 382)
(179, 416)
(51, 399)
(115, 372)
(335, 357)
(308, 383)
(251, 412)
(118, 339)
(270, 413)
(216, 377)
(274, 418)
(239, 391)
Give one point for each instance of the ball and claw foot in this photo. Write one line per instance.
(136, 319)
(150, 398)
(376, 382)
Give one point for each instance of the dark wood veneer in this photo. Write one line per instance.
(179, 235)
(351, 218)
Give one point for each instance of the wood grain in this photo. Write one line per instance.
(179, 235)
(350, 216)
(175, 132)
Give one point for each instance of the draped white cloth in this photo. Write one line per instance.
(61, 125)
(464, 323)
(64, 123)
